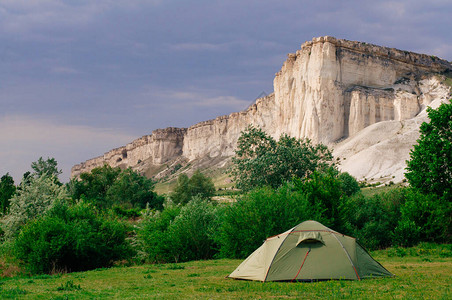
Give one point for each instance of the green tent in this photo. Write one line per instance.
(309, 251)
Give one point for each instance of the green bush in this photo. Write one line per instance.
(349, 185)
(33, 199)
(153, 236)
(406, 234)
(180, 234)
(132, 190)
(131, 213)
(424, 218)
(372, 219)
(328, 189)
(71, 239)
(191, 231)
(262, 213)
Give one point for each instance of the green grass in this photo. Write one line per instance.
(421, 272)
(370, 191)
(448, 79)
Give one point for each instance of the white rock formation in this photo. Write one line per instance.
(380, 151)
(366, 96)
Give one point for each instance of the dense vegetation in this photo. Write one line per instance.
(71, 238)
(430, 166)
(51, 227)
(188, 187)
(7, 190)
(260, 160)
(106, 187)
(111, 215)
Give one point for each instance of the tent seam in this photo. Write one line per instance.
(348, 256)
(271, 263)
(367, 252)
(302, 264)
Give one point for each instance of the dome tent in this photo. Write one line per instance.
(309, 251)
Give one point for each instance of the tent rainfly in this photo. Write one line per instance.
(308, 252)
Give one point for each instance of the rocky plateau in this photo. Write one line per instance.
(365, 102)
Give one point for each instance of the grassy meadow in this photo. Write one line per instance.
(422, 272)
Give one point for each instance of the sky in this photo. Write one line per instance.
(78, 78)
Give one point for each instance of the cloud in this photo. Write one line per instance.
(180, 100)
(196, 47)
(140, 65)
(48, 19)
(24, 139)
(64, 70)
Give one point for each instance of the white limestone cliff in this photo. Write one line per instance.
(338, 92)
(159, 147)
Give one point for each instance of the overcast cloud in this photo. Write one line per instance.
(78, 78)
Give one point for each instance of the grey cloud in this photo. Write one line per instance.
(134, 66)
(29, 138)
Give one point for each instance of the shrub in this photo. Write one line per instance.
(191, 231)
(32, 200)
(131, 189)
(424, 218)
(328, 189)
(93, 186)
(180, 234)
(71, 239)
(153, 236)
(372, 219)
(262, 213)
(349, 185)
(407, 233)
(131, 213)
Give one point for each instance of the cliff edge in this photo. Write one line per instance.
(363, 100)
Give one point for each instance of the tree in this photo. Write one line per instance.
(48, 167)
(7, 190)
(181, 193)
(198, 185)
(31, 201)
(261, 161)
(328, 189)
(93, 186)
(131, 189)
(261, 213)
(26, 179)
(430, 166)
(106, 186)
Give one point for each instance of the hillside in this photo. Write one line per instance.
(364, 101)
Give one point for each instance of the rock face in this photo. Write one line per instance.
(330, 90)
(159, 147)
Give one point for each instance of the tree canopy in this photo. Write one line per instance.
(7, 190)
(198, 185)
(31, 201)
(260, 160)
(430, 165)
(131, 189)
(106, 186)
(48, 167)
